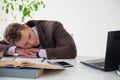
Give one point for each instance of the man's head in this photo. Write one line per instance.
(20, 35)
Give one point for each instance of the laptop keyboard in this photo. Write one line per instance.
(100, 64)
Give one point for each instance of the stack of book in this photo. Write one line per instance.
(24, 69)
(21, 72)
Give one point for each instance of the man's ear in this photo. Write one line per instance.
(26, 26)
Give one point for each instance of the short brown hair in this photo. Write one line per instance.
(12, 33)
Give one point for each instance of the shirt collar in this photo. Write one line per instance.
(35, 31)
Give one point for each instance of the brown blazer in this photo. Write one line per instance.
(53, 37)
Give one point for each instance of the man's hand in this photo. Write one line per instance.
(28, 53)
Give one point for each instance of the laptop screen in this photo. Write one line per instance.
(112, 59)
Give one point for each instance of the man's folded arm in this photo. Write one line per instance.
(64, 52)
(4, 47)
(65, 46)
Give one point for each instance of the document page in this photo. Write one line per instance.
(8, 58)
(35, 60)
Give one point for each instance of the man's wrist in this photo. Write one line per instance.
(16, 50)
(42, 53)
(11, 50)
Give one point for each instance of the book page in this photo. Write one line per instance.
(7, 58)
(18, 62)
(35, 60)
(9, 63)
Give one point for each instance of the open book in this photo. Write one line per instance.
(22, 62)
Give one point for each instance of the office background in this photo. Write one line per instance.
(87, 20)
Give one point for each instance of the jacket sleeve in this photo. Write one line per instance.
(4, 46)
(65, 46)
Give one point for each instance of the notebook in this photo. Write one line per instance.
(112, 57)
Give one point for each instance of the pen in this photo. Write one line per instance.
(42, 59)
(50, 62)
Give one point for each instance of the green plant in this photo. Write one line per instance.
(25, 7)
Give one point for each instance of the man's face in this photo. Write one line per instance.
(28, 39)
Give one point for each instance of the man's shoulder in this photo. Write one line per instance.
(42, 21)
(51, 23)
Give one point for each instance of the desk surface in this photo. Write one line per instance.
(78, 72)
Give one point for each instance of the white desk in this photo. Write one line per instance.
(78, 72)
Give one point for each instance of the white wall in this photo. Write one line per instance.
(88, 20)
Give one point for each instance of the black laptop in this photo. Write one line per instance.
(112, 57)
